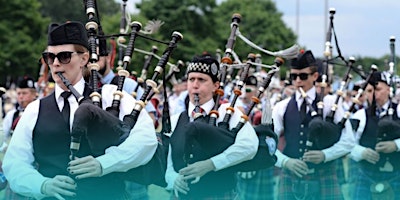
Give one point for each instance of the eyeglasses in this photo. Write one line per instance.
(248, 89)
(303, 76)
(63, 57)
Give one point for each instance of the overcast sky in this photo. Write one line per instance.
(363, 27)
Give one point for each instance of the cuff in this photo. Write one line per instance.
(356, 153)
(397, 142)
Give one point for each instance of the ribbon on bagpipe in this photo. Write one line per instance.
(103, 128)
(389, 126)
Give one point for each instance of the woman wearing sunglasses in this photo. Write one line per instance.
(306, 173)
(37, 163)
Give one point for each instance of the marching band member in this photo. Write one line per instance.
(378, 175)
(309, 174)
(37, 162)
(26, 93)
(206, 179)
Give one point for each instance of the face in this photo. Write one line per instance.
(308, 82)
(71, 70)
(250, 91)
(102, 62)
(25, 96)
(382, 92)
(201, 84)
(369, 91)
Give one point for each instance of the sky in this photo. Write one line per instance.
(363, 27)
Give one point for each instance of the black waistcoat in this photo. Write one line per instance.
(369, 139)
(212, 183)
(51, 141)
(295, 131)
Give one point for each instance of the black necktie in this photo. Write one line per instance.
(303, 110)
(66, 109)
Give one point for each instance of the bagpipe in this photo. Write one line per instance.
(324, 132)
(103, 128)
(203, 130)
(388, 126)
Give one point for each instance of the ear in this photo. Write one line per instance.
(84, 58)
(216, 86)
(315, 76)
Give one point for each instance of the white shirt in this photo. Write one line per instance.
(339, 149)
(244, 148)
(136, 150)
(361, 115)
(7, 123)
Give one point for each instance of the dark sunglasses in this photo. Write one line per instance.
(63, 57)
(248, 89)
(303, 76)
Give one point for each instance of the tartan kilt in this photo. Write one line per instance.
(327, 177)
(261, 186)
(10, 195)
(364, 178)
(136, 191)
(229, 195)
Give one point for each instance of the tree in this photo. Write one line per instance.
(261, 23)
(194, 19)
(63, 10)
(23, 38)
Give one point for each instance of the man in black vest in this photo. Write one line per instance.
(37, 163)
(192, 173)
(307, 172)
(377, 145)
(26, 93)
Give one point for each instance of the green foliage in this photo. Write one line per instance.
(66, 10)
(22, 38)
(204, 25)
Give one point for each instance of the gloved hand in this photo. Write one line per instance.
(58, 186)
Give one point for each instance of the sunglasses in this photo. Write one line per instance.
(303, 76)
(63, 57)
(248, 89)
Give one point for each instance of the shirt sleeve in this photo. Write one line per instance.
(7, 123)
(18, 160)
(356, 152)
(138, 148)
(171, 174)
(343, 146)
(245, 145)
(277, 118)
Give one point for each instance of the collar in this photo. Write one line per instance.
(385, 106)
(311, 94)
(108, 77)
(206, 106)
(79, 87)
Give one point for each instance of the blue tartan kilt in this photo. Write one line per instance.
(327, 177)
(229, 195)
(259, 187)
(10, 195)
(365, 178)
